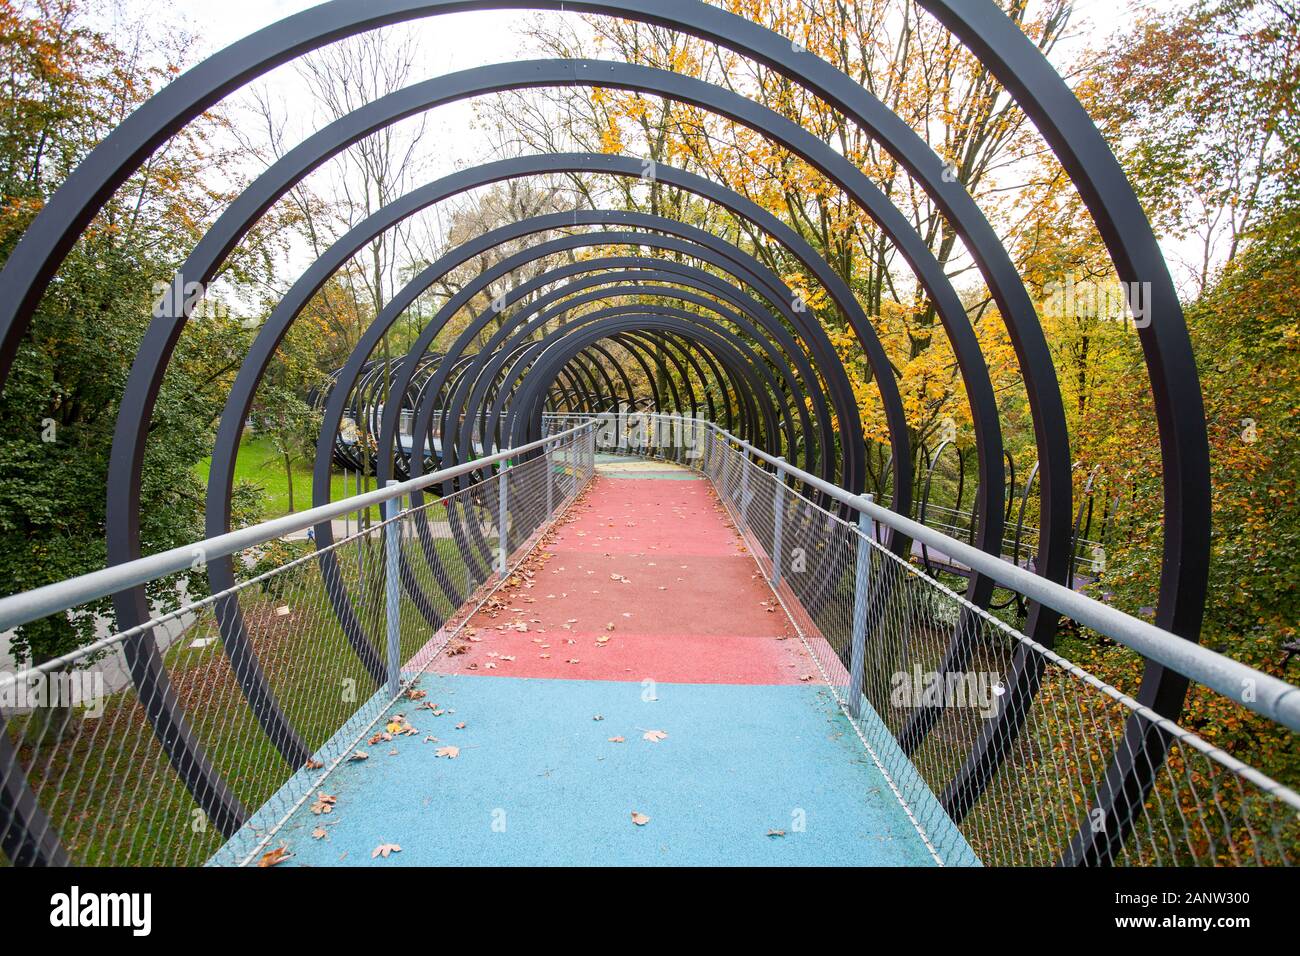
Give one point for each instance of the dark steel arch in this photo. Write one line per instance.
(541, 315)
(421, 423)
(586, 275)
(1032, 83)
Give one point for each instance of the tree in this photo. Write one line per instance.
(280, 409)
(1201, 106)
(65, 87)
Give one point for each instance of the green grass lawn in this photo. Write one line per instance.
(258, 462)
(107, 784)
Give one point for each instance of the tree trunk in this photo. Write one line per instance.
(288, 477)
(52, 719)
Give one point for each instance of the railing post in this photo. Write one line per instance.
(503, 482)
(744, 489)
(550, 480)
(778, 521)
(861, 596)
(392, 589)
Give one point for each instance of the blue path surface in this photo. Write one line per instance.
(537, 781)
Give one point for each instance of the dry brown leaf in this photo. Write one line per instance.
(324, 803)
(654, 736)
(640, 819)
(450, 752)
(384, 849)
(276, 856)
(616, 740)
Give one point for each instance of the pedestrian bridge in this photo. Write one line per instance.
(636, 663)
(685, 653)
(559, 633)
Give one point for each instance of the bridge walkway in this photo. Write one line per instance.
(633, 695)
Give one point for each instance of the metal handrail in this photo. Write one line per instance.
(19, 609)
(1255, 690)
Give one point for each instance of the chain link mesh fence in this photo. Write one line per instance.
(938, 688)
(258, 691)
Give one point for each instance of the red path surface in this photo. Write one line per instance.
(693, 608)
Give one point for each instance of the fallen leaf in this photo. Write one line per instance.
(654, 736)
(359, 755)
(615, 740)
(384, 849)
(318, 833)
(324, 804)
(640, 819)
(276, 856)
(776, 833)
(449, 752)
